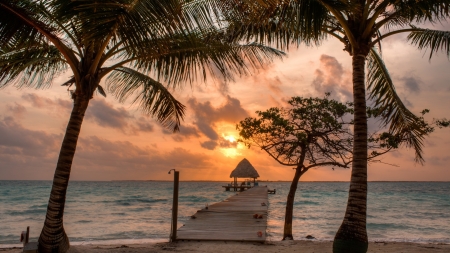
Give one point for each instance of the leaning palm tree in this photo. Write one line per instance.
(361, 26)
(141, 47)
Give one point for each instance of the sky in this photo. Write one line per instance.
(118, 142)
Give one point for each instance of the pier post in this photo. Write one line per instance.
(176, 178)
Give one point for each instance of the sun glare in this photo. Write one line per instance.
(230, 138)
(231, 151)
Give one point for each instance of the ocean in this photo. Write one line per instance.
(120, 212)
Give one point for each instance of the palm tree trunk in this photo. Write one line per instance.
(53, 238)
(287, 234)
(352, 234)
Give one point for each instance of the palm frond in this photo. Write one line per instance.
(33, 66)
(204, 13)
(152, 96)
(421, 11)
(288, 22)
(434, 40)
(393, 112)
(15, 30)
(126, 21)
(189, 56)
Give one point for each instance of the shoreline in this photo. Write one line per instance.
(148, 241)
(154, 241)
(304, 246)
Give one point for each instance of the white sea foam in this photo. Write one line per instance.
(131, 212)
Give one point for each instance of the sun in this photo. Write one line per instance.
(231, 151)
(230, 138)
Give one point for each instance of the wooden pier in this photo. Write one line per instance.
(237, 187)
(230, 220)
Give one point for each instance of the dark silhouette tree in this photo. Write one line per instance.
(145, 47)
(361, 26)
(311, 132)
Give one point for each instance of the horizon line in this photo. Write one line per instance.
(272, 181)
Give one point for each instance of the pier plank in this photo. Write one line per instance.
(231, 219)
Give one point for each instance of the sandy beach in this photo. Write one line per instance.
(246, 247)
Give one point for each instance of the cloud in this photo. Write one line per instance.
(223, 88)
(207, 129)
(210, 145)
(25, 153)
(411, 84)
(224, 143)
(330, 78)
(106, 115)
(407, 103)
(274, 86)
(60, 106)
(231, 111)
(221, 142)
(99, 111)
(16, 110)
(206, 117)
(186, 132)
(274, 103)
(143, 125)
(29, 154)
(121, 158)
(15, 139)
(37, 101)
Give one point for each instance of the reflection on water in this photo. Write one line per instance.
(97, 211)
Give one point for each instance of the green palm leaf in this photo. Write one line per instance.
(152, 96)
(402, 122)
(421, 11)
(14, 28)
(434, 40)
(129, 22)
(33, 66)
(193, 55)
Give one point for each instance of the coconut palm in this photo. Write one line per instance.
(142, 48)
(361, 26)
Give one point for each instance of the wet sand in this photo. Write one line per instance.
(247, 247)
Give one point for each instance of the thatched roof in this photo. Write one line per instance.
(244, 169)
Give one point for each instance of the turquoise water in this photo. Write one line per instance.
(116, 212)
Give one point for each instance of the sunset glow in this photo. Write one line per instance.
(230, 152)
(118, 142)
(230, 138)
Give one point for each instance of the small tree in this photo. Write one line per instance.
(313, 132)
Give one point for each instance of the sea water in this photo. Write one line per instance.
(140, 211)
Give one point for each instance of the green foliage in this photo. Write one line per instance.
(283, 23)
(320, 129)
(390, 108)
(442, 123)
(312, 130)
(430, 39)
(158, 39)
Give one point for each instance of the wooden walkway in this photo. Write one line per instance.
(231, 219)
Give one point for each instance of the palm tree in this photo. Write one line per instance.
(139, 45)
(361, 26)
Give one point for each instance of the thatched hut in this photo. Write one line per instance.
(244, 169)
